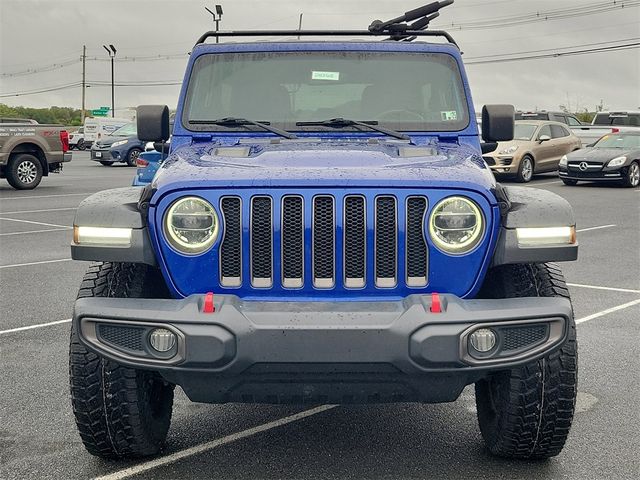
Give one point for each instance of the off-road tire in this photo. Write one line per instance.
(526, 412)
(132, 156)
(119, 411)
(24, 171)
(521, 175)
(569, 182)
(106, 164)
(81, 145)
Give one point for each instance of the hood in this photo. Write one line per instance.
(325, 164)
(601, 155)
(111, 139)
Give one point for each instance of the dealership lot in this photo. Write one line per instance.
(37, 432)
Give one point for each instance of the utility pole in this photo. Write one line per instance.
(300, 25)
(84, 80)
(112, 54)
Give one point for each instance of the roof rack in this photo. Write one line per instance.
(397, 29)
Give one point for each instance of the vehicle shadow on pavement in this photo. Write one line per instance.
(392, 441)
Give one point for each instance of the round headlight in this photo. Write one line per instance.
(191, 225)
(456, 225)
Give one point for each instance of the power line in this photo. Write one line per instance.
(629, 46)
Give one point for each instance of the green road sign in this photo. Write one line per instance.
(99, 113)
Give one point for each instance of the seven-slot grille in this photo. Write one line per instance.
(368, 232)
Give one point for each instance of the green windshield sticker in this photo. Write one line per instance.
(325, 75)
(449, 116)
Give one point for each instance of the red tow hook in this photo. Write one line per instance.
(436, 306)
(208, 306)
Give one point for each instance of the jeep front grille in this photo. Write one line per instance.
(336, 238)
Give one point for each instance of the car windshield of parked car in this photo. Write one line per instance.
(127, 130)
(619, 141)
(524, 131)
(402, 91)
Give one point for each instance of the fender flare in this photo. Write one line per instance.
(116, 208)
(531, 207)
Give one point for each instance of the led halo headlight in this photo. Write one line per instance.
(456, 225)
(191, 225)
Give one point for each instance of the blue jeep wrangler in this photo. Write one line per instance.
(324, 230)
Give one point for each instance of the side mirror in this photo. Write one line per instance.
(153, 123)
(497, 123)
(544, 138)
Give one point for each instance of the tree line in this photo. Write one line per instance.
(62, 115)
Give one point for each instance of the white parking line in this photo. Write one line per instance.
(597, 287)
(35, 223)
(35, 263)
(32, 327)
(189, 452)
(595, 228)
(35, 231)
(39, 211)
(607, 311)
(45, 196)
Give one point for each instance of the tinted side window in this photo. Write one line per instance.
(573, 122)
(558, 132)
(545, 130)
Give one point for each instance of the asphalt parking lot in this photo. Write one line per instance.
(38, 438)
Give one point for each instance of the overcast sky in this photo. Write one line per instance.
(38, 33)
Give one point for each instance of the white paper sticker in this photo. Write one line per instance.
(449, 116)
(325, 75)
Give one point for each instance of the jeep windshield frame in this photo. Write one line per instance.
(410, 91)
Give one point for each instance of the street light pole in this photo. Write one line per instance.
(111, 50)
(217, 17)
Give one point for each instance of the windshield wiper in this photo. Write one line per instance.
(235, 121)
(345, 122)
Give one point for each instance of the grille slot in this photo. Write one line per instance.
(323, 242)
(231, 246)
(261, 242)
(523, 337)
(386, 248)
(292, 242)
(355, 242)
(123, 337)
(416, 245)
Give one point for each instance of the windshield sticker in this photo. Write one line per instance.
(325, 76)
(450, 116)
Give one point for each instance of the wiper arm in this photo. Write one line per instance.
(345, 122)
(235, 121)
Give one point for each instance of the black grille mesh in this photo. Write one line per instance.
(519, 337)
(292, 237)
(261, 238)
(129, 338)
(416, 245)
(355, 237)
(323, 238)
(231, 247)
(386, 224)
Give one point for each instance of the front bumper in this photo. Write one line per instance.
(595, 175)
(278, 351)
(101, 154)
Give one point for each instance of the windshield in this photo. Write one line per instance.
(524, 131)
(619, 141)
(127, 130)
(402, 91)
